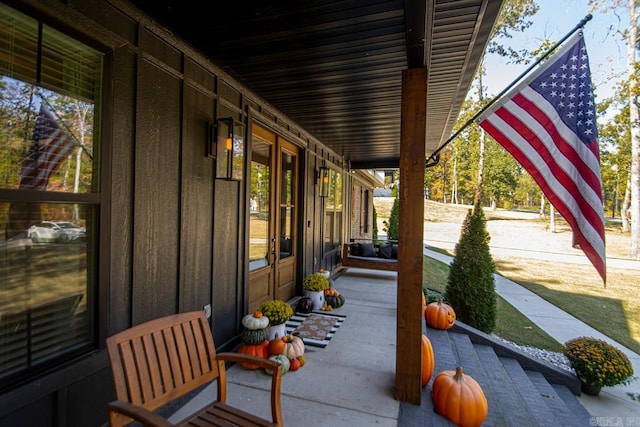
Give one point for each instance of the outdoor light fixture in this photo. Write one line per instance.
(229, 148)
(323, 177)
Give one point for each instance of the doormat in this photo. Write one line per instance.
(316, 328)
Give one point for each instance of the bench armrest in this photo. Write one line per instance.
(246, 358)
(138, 413)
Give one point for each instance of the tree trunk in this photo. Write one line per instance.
(541, 205)
(454, 185)
(634, 119)
(482, 133)
(624, 209)
(552, 218)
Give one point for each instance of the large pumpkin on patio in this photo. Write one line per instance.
(258, 350)
(293, 346)
(428, 361)
(439, 315)
(459, 398)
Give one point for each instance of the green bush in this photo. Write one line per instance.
(375, 224)
(392, 225)
(470, 285)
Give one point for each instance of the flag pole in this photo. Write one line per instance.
(434, 158)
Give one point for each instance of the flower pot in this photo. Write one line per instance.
(280, 329)
(590, 389)
(317, 298)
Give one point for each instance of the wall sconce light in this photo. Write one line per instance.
(323, 176)
(229, 148)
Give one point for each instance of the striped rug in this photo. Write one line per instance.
(299, 318)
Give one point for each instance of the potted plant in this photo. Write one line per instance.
(315, 285)
(315, 282)
(278, 313)
(597, 363)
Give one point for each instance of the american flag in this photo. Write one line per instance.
(51, 145)
(548, 124)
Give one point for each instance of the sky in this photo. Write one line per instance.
(556, 18)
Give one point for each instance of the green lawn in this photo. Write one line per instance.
(613, 310)
(510, 323)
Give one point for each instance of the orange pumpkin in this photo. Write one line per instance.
(428, 361)
(424, 302)
(439, 315)
(258, 350)
(276, 346)
(459, 398)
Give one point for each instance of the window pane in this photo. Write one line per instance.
(49, 86)
(287, 199)
(46, 140)
(18, 45)
(286, 231)
(46, 299)
(259, 204)
(69, 67)
(338, 190)
(337, 232)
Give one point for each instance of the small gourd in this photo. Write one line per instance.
(439, 315)
(293, 346)
(255, 321)
(294, 365)
(280, 358)
(276, 346)
(428, 361)
(303, 360)
(258, 350)
(459, 398)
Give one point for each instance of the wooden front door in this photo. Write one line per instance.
(273, 218)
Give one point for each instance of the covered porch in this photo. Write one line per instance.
(351, 381)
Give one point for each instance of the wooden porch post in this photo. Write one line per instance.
(410, 230)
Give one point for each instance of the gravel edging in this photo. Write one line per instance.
(553, 357)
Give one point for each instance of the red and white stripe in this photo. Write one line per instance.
(566, 169)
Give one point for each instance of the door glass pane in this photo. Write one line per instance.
(259, 204)
(287, 200)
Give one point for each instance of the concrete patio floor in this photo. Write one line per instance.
(351, 381)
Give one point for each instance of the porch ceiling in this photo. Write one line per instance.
(334, 66)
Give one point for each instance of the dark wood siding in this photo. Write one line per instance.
(227, 289)
(123, 106)
(172, 236)
(156, 205)
(197, 191)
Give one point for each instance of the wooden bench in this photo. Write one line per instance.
(371, 262)
(158, 361)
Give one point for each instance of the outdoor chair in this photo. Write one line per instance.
(156, 362)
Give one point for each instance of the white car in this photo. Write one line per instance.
(56, 231)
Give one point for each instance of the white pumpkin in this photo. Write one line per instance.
(255, 321)
(293, 347)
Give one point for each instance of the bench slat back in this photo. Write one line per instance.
(157, 361)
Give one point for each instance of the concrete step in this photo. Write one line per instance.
(540, 413)
(564, 416)
(505, 388)
(516, 396)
